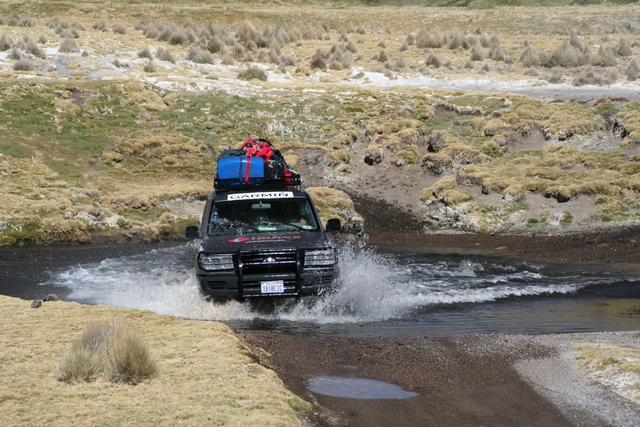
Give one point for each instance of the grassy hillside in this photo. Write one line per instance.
(113, 114)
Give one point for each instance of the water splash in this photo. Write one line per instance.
(371, 287)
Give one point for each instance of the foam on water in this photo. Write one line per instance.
(372, 286)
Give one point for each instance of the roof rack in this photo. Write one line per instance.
(292, 182)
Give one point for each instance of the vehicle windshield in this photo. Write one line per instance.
(261, 216)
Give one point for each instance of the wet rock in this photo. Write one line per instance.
(438, 216)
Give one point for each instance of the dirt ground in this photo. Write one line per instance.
(460, 381)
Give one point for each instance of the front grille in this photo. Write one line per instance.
(266, 262)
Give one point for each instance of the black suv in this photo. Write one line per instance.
(263, 241)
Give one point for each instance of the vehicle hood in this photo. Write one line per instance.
(258, 241)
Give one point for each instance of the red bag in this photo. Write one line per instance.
(258, 147)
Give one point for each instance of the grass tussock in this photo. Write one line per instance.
(108, 349)
(23, 64)
(68, 45)
(5, 42)
(252, 73)
(165, 54)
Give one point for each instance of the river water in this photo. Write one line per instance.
(383, 291)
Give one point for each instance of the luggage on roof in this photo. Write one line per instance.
(255, 164)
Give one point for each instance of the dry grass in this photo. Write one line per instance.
(605, 362)
(111, 349)
(206, 375)
(23, 64)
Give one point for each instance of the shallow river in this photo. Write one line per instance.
(383, 291)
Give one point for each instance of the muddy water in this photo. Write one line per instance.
(390, 291)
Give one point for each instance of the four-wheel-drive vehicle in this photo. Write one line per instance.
(263, 239)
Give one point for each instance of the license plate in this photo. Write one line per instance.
(272, 287)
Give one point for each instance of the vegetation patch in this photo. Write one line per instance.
(110, 349)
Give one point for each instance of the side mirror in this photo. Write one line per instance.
(192, 232)
(333, 225)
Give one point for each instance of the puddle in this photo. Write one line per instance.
(357, 388)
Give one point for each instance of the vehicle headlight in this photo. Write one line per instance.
(323, 257)
(211, 262)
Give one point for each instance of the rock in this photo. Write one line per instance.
(36, 303)
(374, 156)
(51, 297)
(436, 141)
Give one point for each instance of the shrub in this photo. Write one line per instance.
(119, 29)
(227, 59)
(457, 41)
(12, 20)
(497, 54)
(70, 33)
(318, 62)
(567, 55)
(632, 70)
(382, 57)
(68, 45)
(5, 42)
(200, 56)
(433, 61)
(604, 57)
(253, 73)
(35, 50)
(429, 40)
(556, 76)
(350, 47)
(530, 57)
(588, 77)
(215, 45)
(145, 53)
(238, 50)
(477, 52)
(15, 54)
(273, 56)
(109, 349)
(181, 36)
(43, 39)
(80, 365)
(624, 48)
(400, 65)
(165, 54)
(27, 21)
(288, 61)
(129, 359)
(150, 67)
(411, 39)
(23, 64)
(101, 26)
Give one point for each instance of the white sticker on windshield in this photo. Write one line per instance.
(261, 195)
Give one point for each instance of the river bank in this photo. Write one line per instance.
(494, 380)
